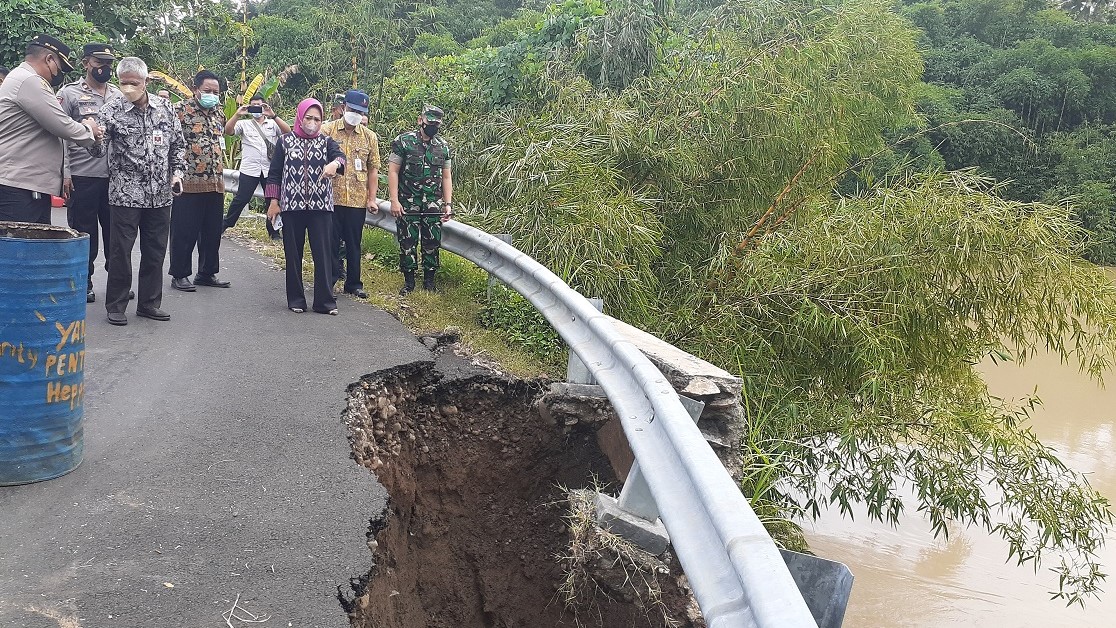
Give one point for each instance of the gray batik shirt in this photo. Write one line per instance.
(145, 151)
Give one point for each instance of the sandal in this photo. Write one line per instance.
(296, 310)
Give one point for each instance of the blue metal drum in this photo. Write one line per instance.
(43, 274)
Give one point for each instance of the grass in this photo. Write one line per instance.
(459, 302)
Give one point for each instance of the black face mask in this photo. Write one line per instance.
(431, 129)
(57, 79)
(101, 74)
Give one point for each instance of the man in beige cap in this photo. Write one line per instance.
(32, 127)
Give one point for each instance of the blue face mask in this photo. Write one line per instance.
(208, 101)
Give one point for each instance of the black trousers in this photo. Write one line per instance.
(348, 227)
(298, 226)
(244, 191)
(89, 206)
(19, 205)
(153, 226)
(196, 219)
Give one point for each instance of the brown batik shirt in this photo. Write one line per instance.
(203, 130)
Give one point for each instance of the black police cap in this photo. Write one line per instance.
(55, 46)
(103, 52)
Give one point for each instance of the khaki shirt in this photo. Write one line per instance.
(32, 127)
(80, 101)
(362, 152)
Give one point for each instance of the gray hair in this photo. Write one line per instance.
(131, 65)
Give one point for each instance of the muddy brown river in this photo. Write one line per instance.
(906, 578)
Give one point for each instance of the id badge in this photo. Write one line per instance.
(157, 138)
(222, 142)
(358, 165)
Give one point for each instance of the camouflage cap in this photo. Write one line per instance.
(431, 112)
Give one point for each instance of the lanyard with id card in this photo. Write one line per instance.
(157, 138)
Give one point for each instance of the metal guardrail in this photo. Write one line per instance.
(733, 566)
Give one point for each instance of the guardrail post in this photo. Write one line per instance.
(635, 497)
(635, 515)
(576, 370)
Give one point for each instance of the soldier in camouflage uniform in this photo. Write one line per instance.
(420, 188)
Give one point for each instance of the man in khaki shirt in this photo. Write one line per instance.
(354, 193)
(32, 127)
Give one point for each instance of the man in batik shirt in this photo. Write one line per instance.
(198, 216)
(143, 140)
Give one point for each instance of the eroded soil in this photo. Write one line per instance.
(476, 523)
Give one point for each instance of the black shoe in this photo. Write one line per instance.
(183, 284)
(212, 281)
(428, 280)
(90, 297)
(359, 293)
(131, 295)
(408, 284)
(155, 314)
(117, 318)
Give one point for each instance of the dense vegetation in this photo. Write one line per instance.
(772, 185)
(1046, 85)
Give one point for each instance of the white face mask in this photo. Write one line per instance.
(257, 115)
(352, 118)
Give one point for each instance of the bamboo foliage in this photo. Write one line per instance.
(866, 320)
(694, 191)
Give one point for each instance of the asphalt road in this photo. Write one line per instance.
(215, 466)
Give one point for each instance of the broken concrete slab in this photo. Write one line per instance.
(649, 536)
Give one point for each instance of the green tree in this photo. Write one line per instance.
(1018, 64)
(121, 19)
(697, 197)
(20, 20)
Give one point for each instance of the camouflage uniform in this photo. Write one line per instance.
(420, 192)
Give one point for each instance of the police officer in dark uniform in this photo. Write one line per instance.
(86, 178)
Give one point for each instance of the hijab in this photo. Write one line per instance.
(303, 107)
